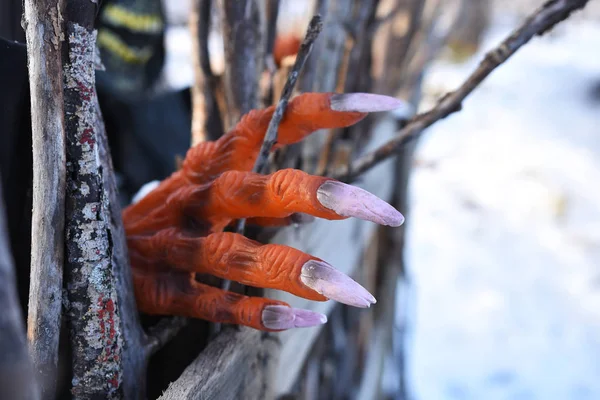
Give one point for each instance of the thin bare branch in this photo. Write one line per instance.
(307, 78)
(206, 112)
(198, 24)
(312, 32)
(314, 28)
(43, 22)
(272, 14)
(165, 330)
(543, 19)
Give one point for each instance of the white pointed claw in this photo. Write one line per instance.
(351, 201)
(333, 284)
(278, 317)
(365, 102)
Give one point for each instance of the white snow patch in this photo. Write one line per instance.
(504, 230)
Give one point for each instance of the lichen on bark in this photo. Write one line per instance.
(92, 306)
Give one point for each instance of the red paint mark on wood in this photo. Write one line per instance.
(87, 137)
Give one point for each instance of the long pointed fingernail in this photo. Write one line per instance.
(283, 317)
(351, 201)
(331, 283)
(364, 102)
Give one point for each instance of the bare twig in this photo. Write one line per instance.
(272, 14)
(44, 42)
(198, 24)
(165, 330)
(543, 19)
(267, 81)
(321, 7)
(207, 90)
(314, 28)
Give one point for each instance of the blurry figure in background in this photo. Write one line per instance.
(138, 109)
(131, 42)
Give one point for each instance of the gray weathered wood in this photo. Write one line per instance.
(244, 35)
(235, 365)
(43, 23)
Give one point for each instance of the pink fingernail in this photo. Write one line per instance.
(364, 102)
(282, 317)
(331, 283)
(351, 201)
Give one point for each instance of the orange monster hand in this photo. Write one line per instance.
(175, 231)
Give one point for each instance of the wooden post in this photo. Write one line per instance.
(108, 346)
(45, 35)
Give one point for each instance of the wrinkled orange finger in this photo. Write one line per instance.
(237, 194)
(238, 149)
(235, 257)
(177, 293)
(306, 113)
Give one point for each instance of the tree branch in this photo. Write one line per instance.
(206, 116)
(543, 19)
(165, 330)
(272, 14)
(314, 28)
(198, 25)
(43, 23)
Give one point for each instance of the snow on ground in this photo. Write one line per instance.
(504, 230)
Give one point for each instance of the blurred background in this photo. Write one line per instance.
(503, 298)
(496, 289)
